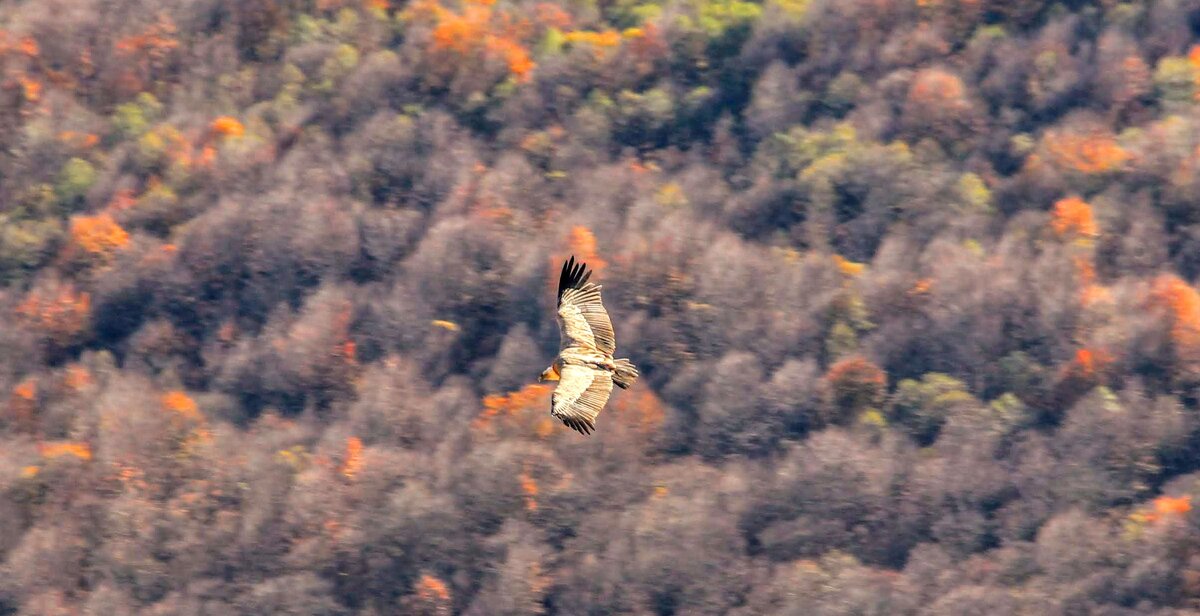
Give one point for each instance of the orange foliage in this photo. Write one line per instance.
(98, 235)
(514, 407)
(1164, 508)
(517, 57)
(147, 53)
(462, 32)
(1168, 505)
(937, 87)
(1073, 215)
(530, 488)
(227, 126)
(848, 267)
(639, 408)
(354, 457)
(1090, 364)
(583, 245)
(346, 349)
(28, 46)
(1094, 294)
(430, 588)
(1085, 270)
(154, 42)
(1089, 153)
(479, 30)
(61, 316)
(544, 427)
(1090, 291)
(26, 389)
(207, 155)
(77, 377)
(1194, 61)
(22, 403)
(31, 88)
(1182, 303)
(181, 403)
(185, 415)
(81, 141)
(921, 287)
(58, 449)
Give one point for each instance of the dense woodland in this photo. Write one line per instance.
(911, 284)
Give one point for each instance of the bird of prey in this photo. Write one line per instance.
(585, 368)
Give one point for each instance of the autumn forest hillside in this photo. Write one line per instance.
(912, 285)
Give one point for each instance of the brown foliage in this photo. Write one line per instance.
(256, 380)
(153, 44)
(1090, 153)
(22, 404)
(58, 312)
(937, 103)
(855, 385)
(530, 487)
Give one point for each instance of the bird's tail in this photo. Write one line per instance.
(624, 373)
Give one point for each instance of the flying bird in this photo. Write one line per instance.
(585, 368)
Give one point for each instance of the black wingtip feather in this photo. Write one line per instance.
(573, 276)
(578, 425)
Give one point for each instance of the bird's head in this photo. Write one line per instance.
(549, 374)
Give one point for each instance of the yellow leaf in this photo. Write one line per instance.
(446, 325)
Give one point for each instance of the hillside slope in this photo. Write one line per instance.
(910, 283)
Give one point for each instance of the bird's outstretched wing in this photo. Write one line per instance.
(582, 319)
(579, 397)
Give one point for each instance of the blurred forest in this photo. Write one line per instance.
(910, 282)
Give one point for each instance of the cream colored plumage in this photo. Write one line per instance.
(585, 368)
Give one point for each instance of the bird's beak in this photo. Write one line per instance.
(547, 375)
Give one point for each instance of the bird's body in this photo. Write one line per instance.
(585, 368)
